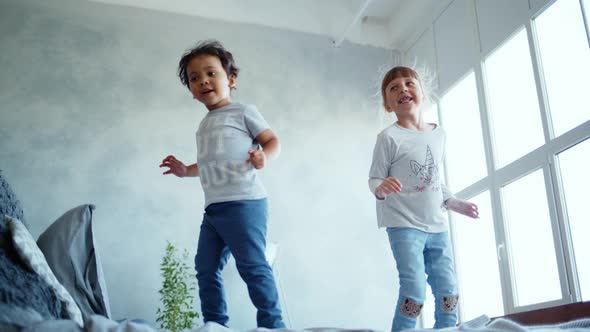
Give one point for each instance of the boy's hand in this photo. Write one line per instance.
(175, 166)
(257, 158)
(387, 187)
(463, 207)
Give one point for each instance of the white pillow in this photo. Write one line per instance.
(31, 254)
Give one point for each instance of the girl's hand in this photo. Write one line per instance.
(463, 207)
(257, 158)
(175, 166)
(387, 187)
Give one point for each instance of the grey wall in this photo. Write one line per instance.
(90, 105)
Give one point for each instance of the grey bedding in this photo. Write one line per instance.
(480, 324)
(29, 272)
(69, 248)
(18, 306)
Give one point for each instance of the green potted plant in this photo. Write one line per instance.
(176, 295)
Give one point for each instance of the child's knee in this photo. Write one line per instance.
(254, 271)
(448, 303)
(411, 308)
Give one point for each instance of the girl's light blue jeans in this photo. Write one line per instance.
(423, 257)
(238, 227)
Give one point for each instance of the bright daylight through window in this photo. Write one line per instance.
(513, 103)
(575, 185)
(465, 156)
(565, 62)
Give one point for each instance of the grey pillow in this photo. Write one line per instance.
(68, 246)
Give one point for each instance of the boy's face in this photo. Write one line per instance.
(208, 81)
(403, 95)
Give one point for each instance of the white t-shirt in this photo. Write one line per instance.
(414, 158)
(223, 139)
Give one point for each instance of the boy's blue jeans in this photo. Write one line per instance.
(419, 254)
(238, 227)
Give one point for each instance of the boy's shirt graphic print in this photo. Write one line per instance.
(215, 148)
(223, 139)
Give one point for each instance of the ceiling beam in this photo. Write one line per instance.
(354, 22)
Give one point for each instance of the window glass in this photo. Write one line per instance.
(427, 313)
(573, 164)
(565, 57)
(465, 156)
(431, 114)
(477, 262)
(530, 239)
(513, 104)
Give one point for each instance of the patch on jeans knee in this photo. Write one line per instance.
(410, 308)
(449, 303)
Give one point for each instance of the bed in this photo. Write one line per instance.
(533, 321)
(56, 283)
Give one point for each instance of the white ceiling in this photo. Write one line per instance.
(382, 23)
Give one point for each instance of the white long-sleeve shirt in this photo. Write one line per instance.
(414, 158)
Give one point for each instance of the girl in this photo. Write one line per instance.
(228, 141)
(405, 179)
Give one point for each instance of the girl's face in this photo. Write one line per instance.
(403, 95)
(208, 81)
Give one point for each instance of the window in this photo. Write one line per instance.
(427, 313)
(565, 58)
(530, 240)
(573, 164)
(465, 156)
(431, 114)
(475, 253)
(536, 129)
(513, 104)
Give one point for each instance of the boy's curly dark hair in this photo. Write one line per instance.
(210, 47)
